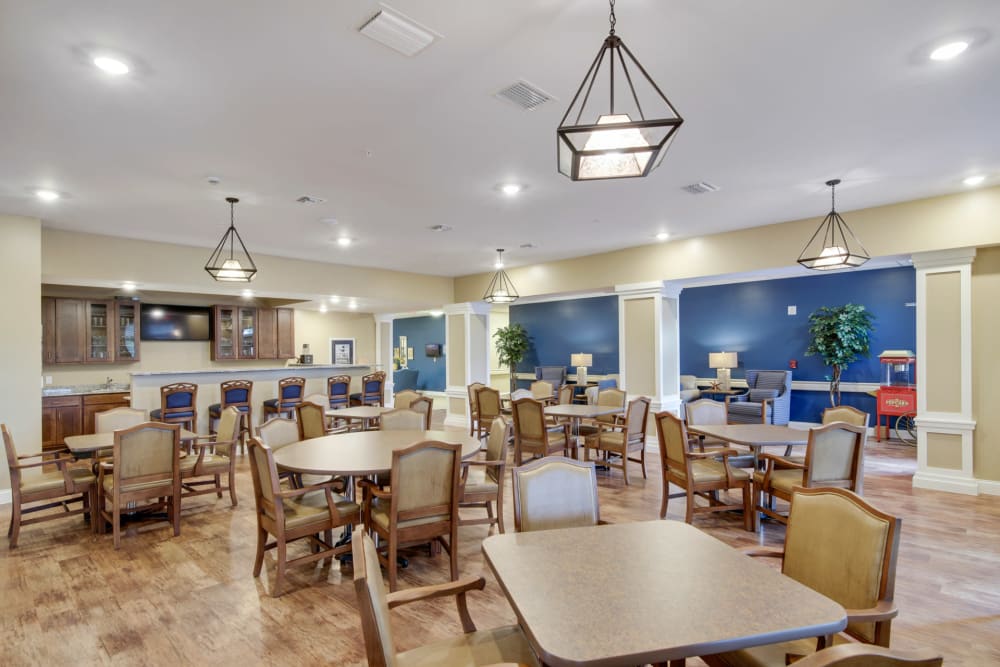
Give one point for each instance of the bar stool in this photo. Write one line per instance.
(290, 392)
(338, 388)
(236, 393)
(178, 405)
(372, 387)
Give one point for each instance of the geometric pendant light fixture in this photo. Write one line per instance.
(231, 262)
(500, 289)
(607, 132)
(834, 245)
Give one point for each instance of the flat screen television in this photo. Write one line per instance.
(162, 322)
(432, 349)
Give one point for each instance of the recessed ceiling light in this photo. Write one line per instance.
(662, 236)
(112, 66)
(949, 50)
(440, 228)
(329, 221)
(247, 293)
(973, 181)
(334, 298)
(510, 189)
(343, 241)
(128, 287)
(322, 307)
(47, 195)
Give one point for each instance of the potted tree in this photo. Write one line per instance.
(840, 335)
(512, 343)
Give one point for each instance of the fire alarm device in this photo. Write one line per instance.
(793, 364)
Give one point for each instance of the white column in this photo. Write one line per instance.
(466, 356)
(383, 351)
(945, 425)
(649, 348)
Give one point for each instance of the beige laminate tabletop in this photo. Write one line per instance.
(361, 453)
(83, 444)
(753, 435)
(648, 592)
(358, 412)
(577, 411)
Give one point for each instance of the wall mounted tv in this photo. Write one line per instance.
(432, 349)
(161, 322)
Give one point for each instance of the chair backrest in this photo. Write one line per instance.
(317, 399)
(425, 481)
(118, 418)
(847, 414)
(705, 411)
(541, 389)
(338, 388)
(228, 430)
(178, 397)
(472, 389)
(635, 419)
(864, 655)
(236, 392)
(404, 398)
(555, 492)
(424, 406)
(496, 446)
(372, 386)
(840, 546)
(402, 419)
(672, 436)
(265, 479)
(834, 456)
(591, 394)
(555, 375)
(566, 394)
(15, 473)
(290, 390)
(145, 453)
(610, 397)
(529, 419)
(376, 624)
(518, 394)
(488, 403)
(311, 419)
(777, 380)
(276, 433)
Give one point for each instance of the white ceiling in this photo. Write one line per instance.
(286, 99)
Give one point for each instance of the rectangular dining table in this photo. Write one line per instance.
(753, 436)
(85, 445)
(669, 592)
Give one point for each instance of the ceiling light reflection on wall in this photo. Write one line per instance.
(662, 236)
(334, 298)
(322, 308)
(949, 50)
(247, 293)
(834, 245)
(128, 287)
(353, 305)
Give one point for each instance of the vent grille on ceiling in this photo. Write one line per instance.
(398, 32)
(524, 95)
(700, 188)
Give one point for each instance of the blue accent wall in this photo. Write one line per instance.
(751, 319)
(557, 329)
(420, 331)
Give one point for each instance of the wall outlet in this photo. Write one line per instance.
(793, 310)
(48, 379)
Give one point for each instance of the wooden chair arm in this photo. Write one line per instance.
(292, 493)
(369, 486)
(764, 552)
(463, 585)
(60, 462)
(781, 462)
(836, 655)
(883, 610)
(47, 452)
(724, 453)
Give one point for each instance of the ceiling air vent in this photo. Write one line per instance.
(398, 32)
(309, 199)
(524, 95)
(700, 188)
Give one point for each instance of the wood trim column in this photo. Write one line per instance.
(466, 356)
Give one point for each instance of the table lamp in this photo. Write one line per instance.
(722, 362)
(581, 361)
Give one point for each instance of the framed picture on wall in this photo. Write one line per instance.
(342, 351)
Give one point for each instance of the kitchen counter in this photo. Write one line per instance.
(236, 371)
(85, 389)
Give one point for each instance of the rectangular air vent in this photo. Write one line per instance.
(398, 32)
(309, 199)
(524, 95)
(700, 188)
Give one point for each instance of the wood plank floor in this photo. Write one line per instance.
(69, 598)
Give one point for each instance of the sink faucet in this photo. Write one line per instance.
(107, 385)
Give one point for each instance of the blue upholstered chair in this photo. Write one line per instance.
(237, 393)
(404, 378)
(338, 388)
(290, 392)
(372, 387)
(178, 405)
(556, 375)
(768, 401)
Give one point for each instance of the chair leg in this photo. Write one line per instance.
(500, 515)
(175, 511)
(15, 524)
(689, 512)
(666, 498)
(116, 525)
(390, 554)
(258, 562)
(642, 460)
(218, 486)
(625, 466)
(232, 483)
(279, 577)
(95, 514)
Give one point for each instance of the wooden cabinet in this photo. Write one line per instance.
(77, 331)
(235, 333)
(61, 416)
(286, 332)
(275, 333)
(94, 403)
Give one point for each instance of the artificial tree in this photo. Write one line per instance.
(512, 342)
(840, 335)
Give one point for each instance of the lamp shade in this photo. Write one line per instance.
(722, 360)
(580, 359)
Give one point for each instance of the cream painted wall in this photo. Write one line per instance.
(456, 350)
(944, 336)
(885, 230)
(20, 339)
(985, 384)
(640, 346)
(499, 377)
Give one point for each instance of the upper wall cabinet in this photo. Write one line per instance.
(77, 331)
(240, 332)
(275, 333)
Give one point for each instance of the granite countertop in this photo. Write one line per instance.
(80, 389)
(234, 371)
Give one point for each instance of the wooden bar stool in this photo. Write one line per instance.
(290, 393)
(236, 393)
(178, 405)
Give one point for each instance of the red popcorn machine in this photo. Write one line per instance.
(897, 394)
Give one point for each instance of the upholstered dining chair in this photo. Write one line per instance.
(700, 474)
(294, 514)
(565, 394)
(488, 409)
(544, 391)
(611, 397)
(216, 457)
(402, 419)
(768, 399)
(425, 406)
(483, 481)
(66, 484)
(629, 438)
(840, 413)
(864, 655)
(497, 646)
(146, 467)
(239, 394)
(842, 547)
(402, 399)
(555, 492)
(473, 406)
(276, 433)
(372, 390)
(116, 419)
(290, 392)
(338, 389)
(311, 419)
(421, 506)
(834, 458)
(178, 405)
(706, 412)
(534, 435)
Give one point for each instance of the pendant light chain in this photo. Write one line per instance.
(833, 197)
(611, 17)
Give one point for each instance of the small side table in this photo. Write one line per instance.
(720, 394)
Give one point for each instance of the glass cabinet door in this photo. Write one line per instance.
(100, 331)
(248, 333)
(225, 332)
(127, 347)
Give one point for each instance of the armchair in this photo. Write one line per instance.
(689, 388)
(555, 492)
(401, 419)
(768, 401)
(554, 375)
(532, 434)
(487, 410)
(623, 439)
(402, 399)
(473, 406)
(482, 481)
(216, 456)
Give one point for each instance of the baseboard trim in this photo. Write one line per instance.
(989, 487)
(456, 421)
(924, 479)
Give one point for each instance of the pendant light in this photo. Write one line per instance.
(231, 263)
(501, 289)
(834, 245)
(599, 141)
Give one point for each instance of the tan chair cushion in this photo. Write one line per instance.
(165, 484)
(380, 515)
(712, 471)
(54, 480)
(478, 482)
(505, 644)
(781, 480)
(311, 508)
(209, 463)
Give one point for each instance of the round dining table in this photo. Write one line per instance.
(361, 453)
